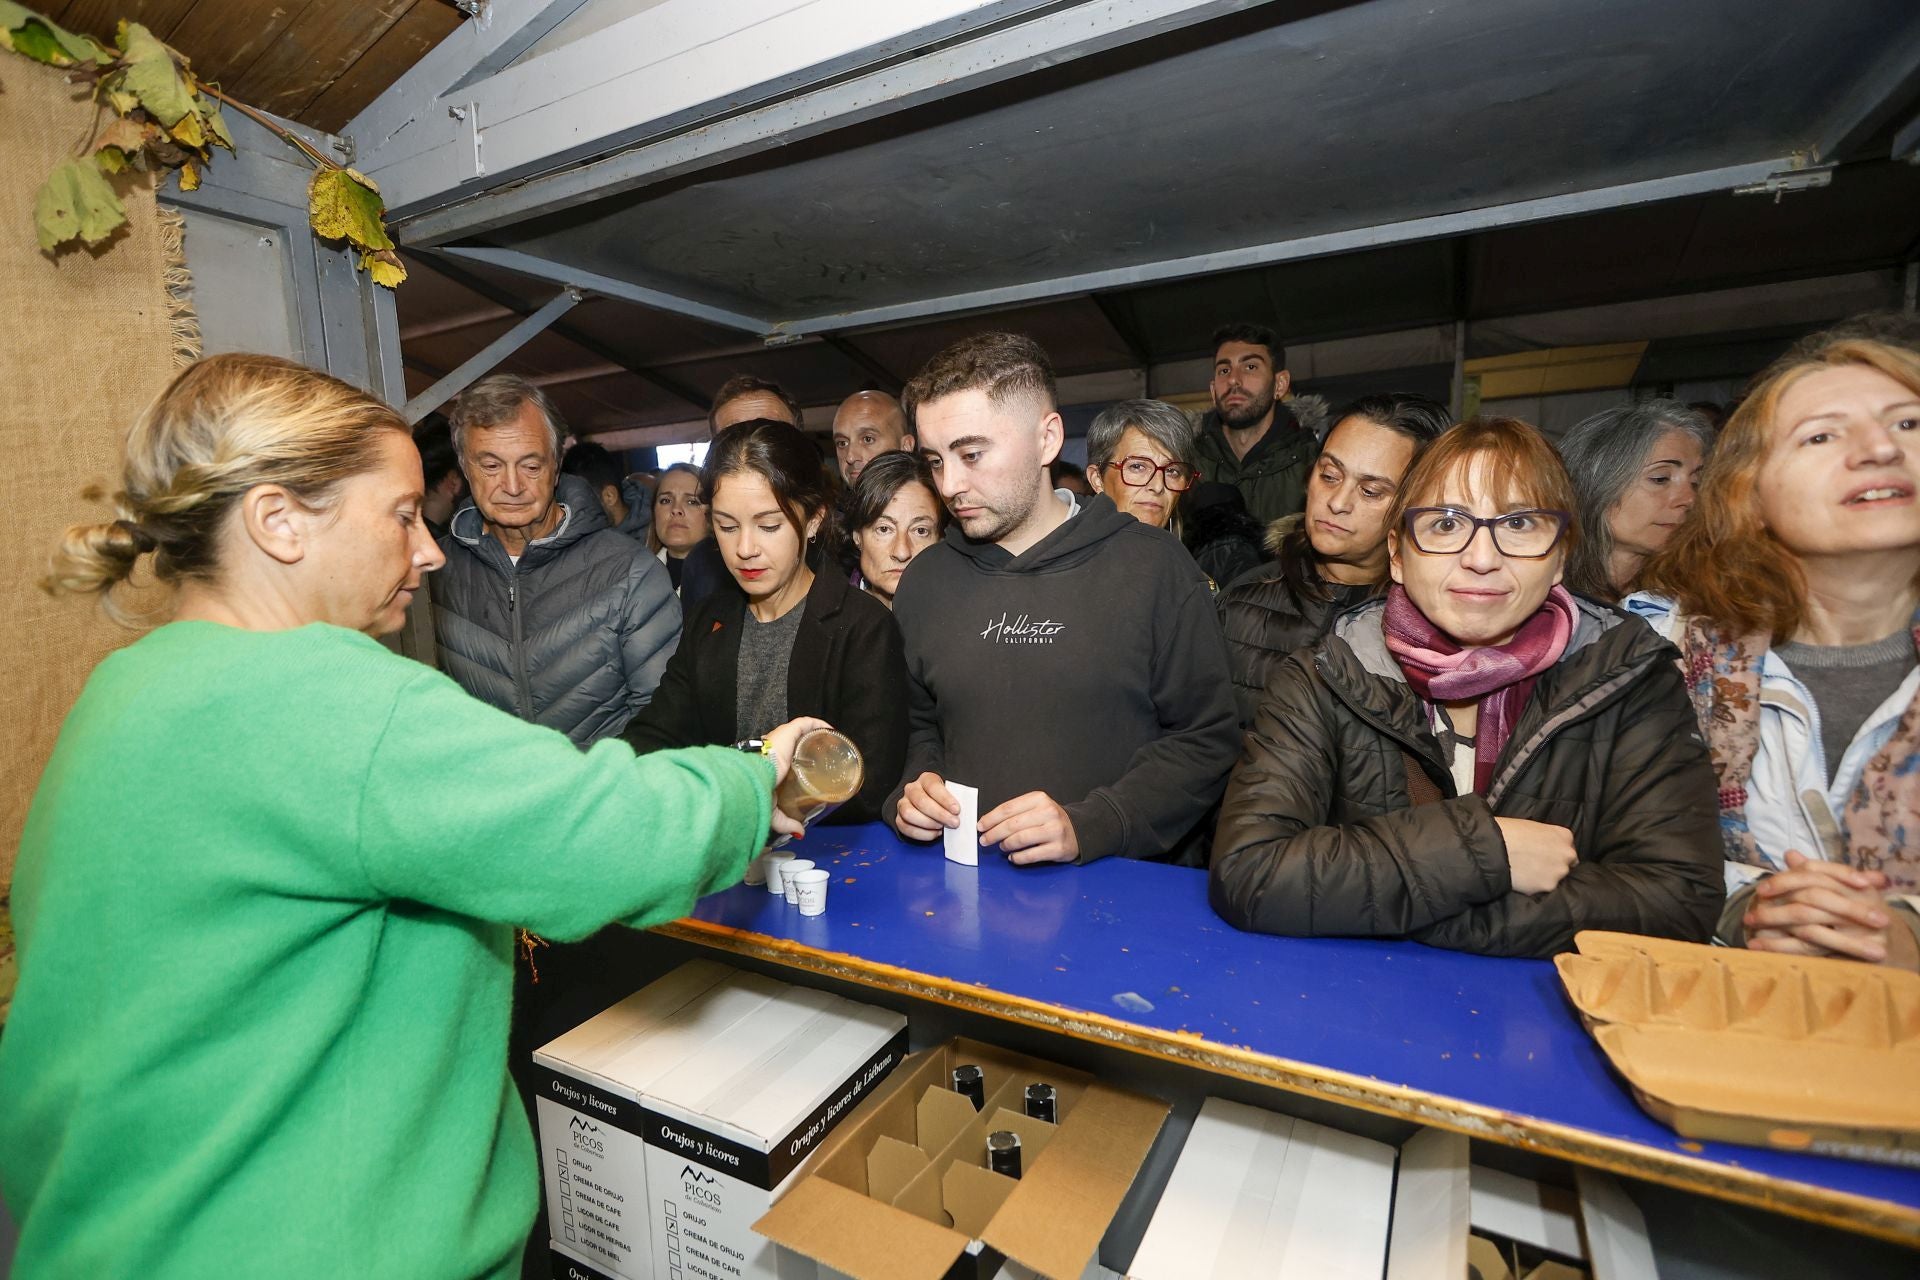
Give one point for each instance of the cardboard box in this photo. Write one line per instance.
(1825, 1046)
(564, 1264)
(903, 1191)
(1261, 1196)
(669, 1122)
(1445, 1210)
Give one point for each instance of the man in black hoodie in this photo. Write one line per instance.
(1063, 658)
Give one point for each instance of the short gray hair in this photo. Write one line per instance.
(496, 399)
(1604, 455)
(1165, 425)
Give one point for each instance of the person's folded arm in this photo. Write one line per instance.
(1279, 866)
(1654, 865)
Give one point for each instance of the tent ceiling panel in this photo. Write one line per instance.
(315, 61)
(1368, 115)
(1868, 217)
(1074, 333)
(1393, 287)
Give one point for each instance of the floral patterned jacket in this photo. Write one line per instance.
(1775, 794)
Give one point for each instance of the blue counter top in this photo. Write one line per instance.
(1130, 953)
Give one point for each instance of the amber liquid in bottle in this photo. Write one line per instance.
(826, 773)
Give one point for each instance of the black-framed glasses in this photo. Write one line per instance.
(1524, 535)
(1139, 472)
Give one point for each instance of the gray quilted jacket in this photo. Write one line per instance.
(574, 637)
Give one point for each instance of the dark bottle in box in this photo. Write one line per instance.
(1003, 1152)
(970, 1083)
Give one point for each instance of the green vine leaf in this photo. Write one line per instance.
(27, 33)
(148, 72)
(77, 203)
(166, 118)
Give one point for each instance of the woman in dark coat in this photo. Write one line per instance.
(781, 634)
(1334, 555)
(1479, 760)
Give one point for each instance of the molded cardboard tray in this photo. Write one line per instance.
(1795, 1052)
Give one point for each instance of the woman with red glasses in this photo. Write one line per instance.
(1141, 454)
(1480, 760)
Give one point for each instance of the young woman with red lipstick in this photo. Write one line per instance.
(794, 632)
(1479, 760)
(1794, 595)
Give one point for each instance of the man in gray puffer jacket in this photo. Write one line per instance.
(542, 609)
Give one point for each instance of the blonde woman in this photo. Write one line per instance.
(266, 890)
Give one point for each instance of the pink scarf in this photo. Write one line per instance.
(1499, 677)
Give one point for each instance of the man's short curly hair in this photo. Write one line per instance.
(1007, 366)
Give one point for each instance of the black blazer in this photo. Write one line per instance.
(848, 667)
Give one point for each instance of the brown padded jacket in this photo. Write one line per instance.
(1319, 835)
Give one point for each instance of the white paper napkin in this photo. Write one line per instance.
(963, 841)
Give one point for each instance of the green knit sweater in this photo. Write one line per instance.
(265, 902)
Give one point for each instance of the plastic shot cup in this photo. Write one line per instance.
(810, 889)
(787, 872)
(774, 865)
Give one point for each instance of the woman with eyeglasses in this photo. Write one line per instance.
(1480, 760)
(1141, 454)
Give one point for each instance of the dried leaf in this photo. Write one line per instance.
(26, 32)
(111, 159)
(77, 202)
(127, 135)
(345, 209)
(189, 177)
(148, 71)
(188, 132)
(385, 267)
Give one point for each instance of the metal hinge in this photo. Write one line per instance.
(1779, 184)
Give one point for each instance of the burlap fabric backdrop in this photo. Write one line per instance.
(86, 340)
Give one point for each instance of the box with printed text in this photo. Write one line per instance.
(671, 1121)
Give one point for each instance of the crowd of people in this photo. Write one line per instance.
(1394, 676)
(1462, 686)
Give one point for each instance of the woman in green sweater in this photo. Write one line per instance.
(267, 889)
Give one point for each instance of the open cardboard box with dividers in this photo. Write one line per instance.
(1827, 1049)
(903, 1190)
